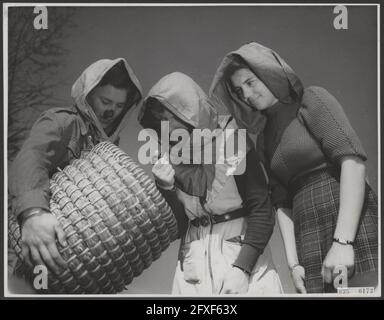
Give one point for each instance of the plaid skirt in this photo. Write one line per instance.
(315, 210)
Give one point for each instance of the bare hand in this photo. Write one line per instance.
(298, 277)
(39, 241)
(338, 255)
(164, 173)
(235, 282)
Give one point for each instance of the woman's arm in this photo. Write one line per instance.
(41, 153)
(177, 208)
(352, 190)
(253, 189)
(165, 179)
(324, 117)
(288, 234)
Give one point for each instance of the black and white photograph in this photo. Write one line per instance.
(191, 150)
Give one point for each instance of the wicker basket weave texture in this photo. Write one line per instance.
(144, 181)
(116, 222)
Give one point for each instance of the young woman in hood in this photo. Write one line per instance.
(326, 211)
(225, 220)
(103, 94)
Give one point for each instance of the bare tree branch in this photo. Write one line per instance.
(34, 60)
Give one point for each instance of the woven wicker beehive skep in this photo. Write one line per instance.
(86, 235)
(14, 238)
(139, 215)
(140, 254)
(77, 249)
(89, 219)
(145, 182)
(116, 223)
(134, 186)
(110, 220)
(127, 217)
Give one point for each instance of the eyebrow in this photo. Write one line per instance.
(105, 98)
(250, 78)
(245, 81)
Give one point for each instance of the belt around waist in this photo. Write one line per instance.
(218, 218)
(311, 176)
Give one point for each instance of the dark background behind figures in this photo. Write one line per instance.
(193, 40)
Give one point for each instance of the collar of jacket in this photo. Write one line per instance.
(84, 125)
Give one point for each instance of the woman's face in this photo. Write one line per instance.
(158, 113)
(250, 89)
(107, 103)
(174, 121)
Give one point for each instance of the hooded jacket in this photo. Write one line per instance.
(275, 73)
(304, 131)
(60, 135)
(184, 98)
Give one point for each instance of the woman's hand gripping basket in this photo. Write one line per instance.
(116, 221)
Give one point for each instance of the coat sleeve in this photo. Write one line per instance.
(279, 194)
(253, 188)
(325, 119)
(38, 158)
(177, 208)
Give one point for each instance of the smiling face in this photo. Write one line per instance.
(250, 89)
(107, 103)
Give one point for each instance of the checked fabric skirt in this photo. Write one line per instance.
(315, 211)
